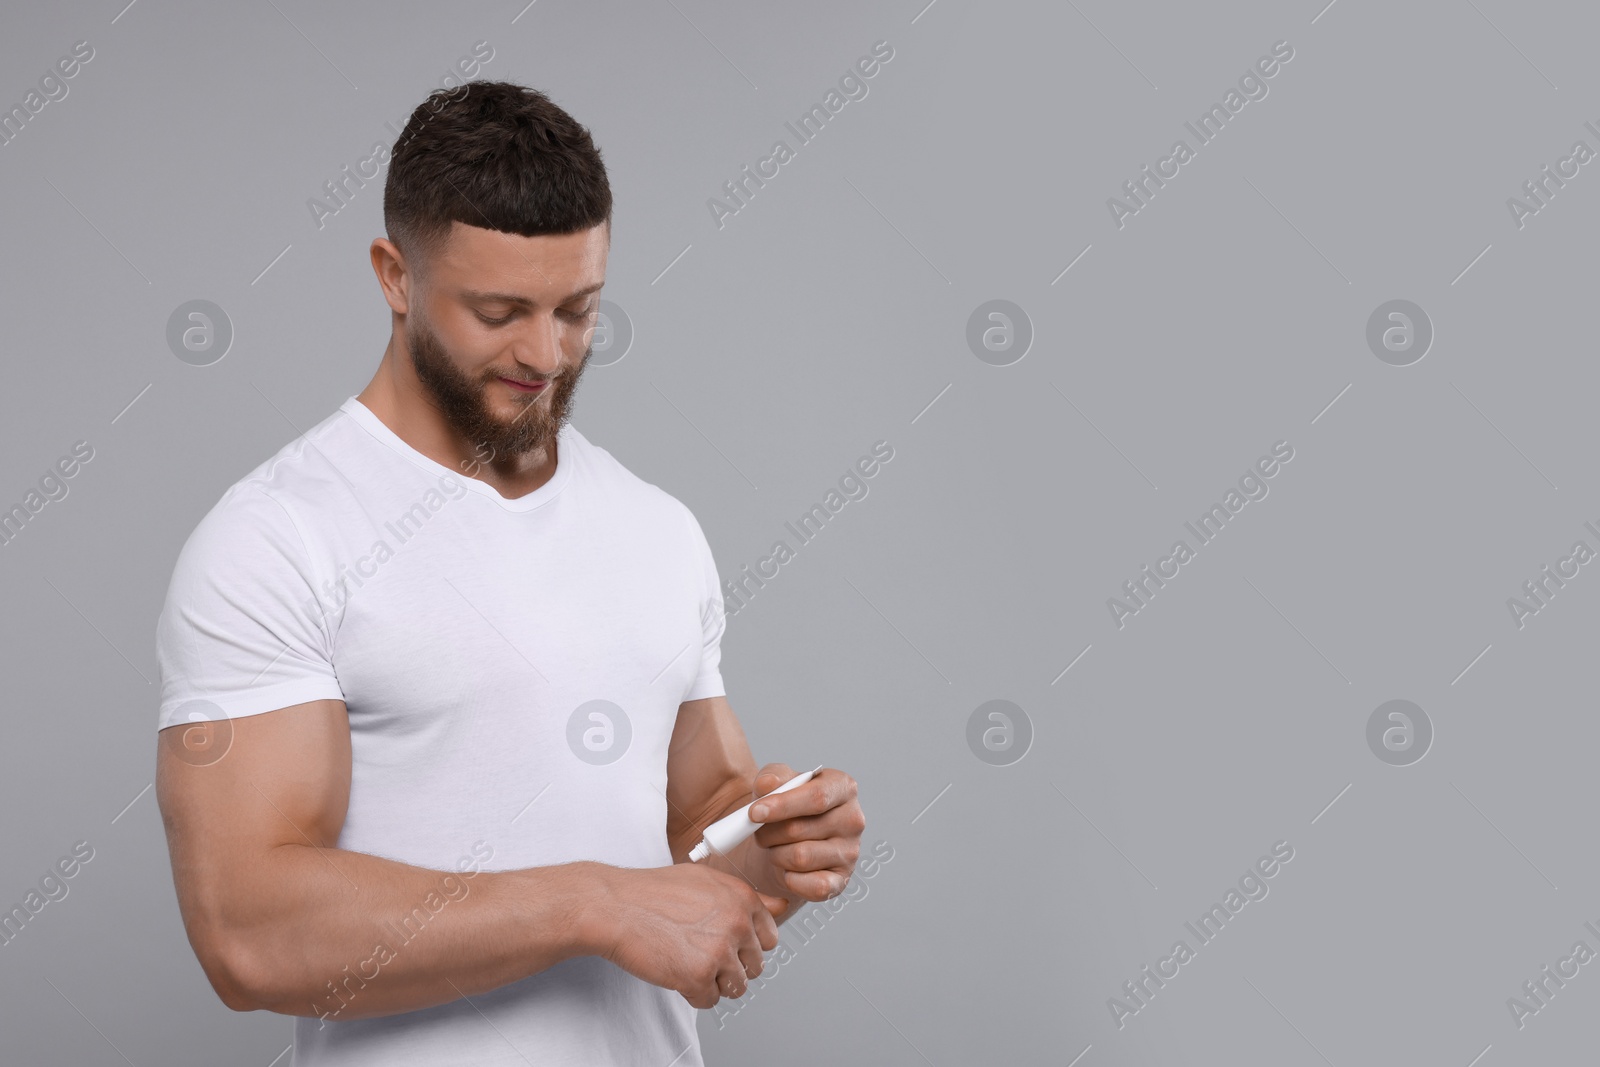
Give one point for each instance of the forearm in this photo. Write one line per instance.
(331, 933)
(710, 773)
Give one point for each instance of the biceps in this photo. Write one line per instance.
(258, 781)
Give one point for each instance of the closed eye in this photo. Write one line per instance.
(572, 316)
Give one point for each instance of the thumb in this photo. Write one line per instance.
(770, 777)
(774, 905)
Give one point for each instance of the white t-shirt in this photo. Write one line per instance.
(512, 671)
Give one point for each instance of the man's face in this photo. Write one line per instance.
(496, 306)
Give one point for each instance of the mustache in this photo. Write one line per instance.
(546, 377)
(528, 381)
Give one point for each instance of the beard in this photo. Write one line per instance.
(463, 400)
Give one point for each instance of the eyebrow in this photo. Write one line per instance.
(522, 301)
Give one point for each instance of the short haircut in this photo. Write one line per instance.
(496, 155)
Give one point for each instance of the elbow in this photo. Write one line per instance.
(250, 965)
(235, 997)
(234, 971)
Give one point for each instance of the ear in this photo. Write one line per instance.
(394, 276)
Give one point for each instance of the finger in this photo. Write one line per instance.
(846, 820)
(699, 998)
(750, 957)
(731, 981)
(828, 788)
(770, 777)
(767, 925)
(817, 885)
(833, 854)
(771, 907)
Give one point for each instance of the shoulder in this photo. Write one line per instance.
(647, 499)
(245, 542)
(264, 510)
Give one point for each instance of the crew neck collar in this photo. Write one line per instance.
(566, 448)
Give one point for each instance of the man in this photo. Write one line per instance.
(441, 704)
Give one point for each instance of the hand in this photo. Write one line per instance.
(687, 927)
(812, 832)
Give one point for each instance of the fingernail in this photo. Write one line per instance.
(758, 812)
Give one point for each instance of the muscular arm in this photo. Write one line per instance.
(711, 772)
(282, 920)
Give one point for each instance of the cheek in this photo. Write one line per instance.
(473, 351)
(578, 336)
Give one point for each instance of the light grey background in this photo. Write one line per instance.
(830, 313)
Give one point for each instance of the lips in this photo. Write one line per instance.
(526, 387)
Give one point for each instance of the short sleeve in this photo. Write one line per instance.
(713, 621)
(242, 630)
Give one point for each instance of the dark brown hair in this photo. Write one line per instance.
(496, 155)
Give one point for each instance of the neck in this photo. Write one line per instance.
(402, 403)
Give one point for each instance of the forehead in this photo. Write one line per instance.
(550, 264)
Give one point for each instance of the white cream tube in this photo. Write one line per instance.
(733, 828)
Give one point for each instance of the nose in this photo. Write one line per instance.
(538, 346)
